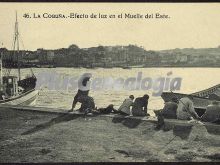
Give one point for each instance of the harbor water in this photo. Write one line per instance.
(189, 80)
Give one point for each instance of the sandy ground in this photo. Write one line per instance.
(40, 137)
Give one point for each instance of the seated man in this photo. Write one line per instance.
(169, 112)
(185, 110)
(82, 96)
(140, 106)
(170, 108)
(212, 112)
(125, 107)
(87, 104)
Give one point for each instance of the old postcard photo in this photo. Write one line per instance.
(109, 82)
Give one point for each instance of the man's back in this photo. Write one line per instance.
(138, 106)
(139, 101)
(184, 107)
(169, 110)
(212, 113)
(125, 107)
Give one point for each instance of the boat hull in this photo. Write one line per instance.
(28, 98)
(199, 102)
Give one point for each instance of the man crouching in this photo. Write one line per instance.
(82, 95)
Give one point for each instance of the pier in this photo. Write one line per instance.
(39, 134)
(169, 123)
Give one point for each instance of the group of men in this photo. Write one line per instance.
(183, 109)
(136, 108)
(131, 107)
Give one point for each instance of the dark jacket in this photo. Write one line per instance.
(139, 104)
(211, 114)
(169, 110)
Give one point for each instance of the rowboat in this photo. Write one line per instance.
(211, 93)
(201, 99)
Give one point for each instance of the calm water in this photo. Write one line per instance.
(193, 79)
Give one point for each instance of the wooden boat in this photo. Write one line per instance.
(27, 98)
(201, 99)
(13, 89)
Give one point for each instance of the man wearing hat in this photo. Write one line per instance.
(170, 107)
(185, 110)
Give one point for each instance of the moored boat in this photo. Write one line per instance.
(209, 93)
(201, 99)
(13, 89)
(27, 98)
(126, 67)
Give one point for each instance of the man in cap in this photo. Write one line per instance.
(185, 110)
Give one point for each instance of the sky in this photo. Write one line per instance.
(189, 25)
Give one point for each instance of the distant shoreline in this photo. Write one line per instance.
(126, 57)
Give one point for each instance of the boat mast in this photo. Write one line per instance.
(16, 44)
